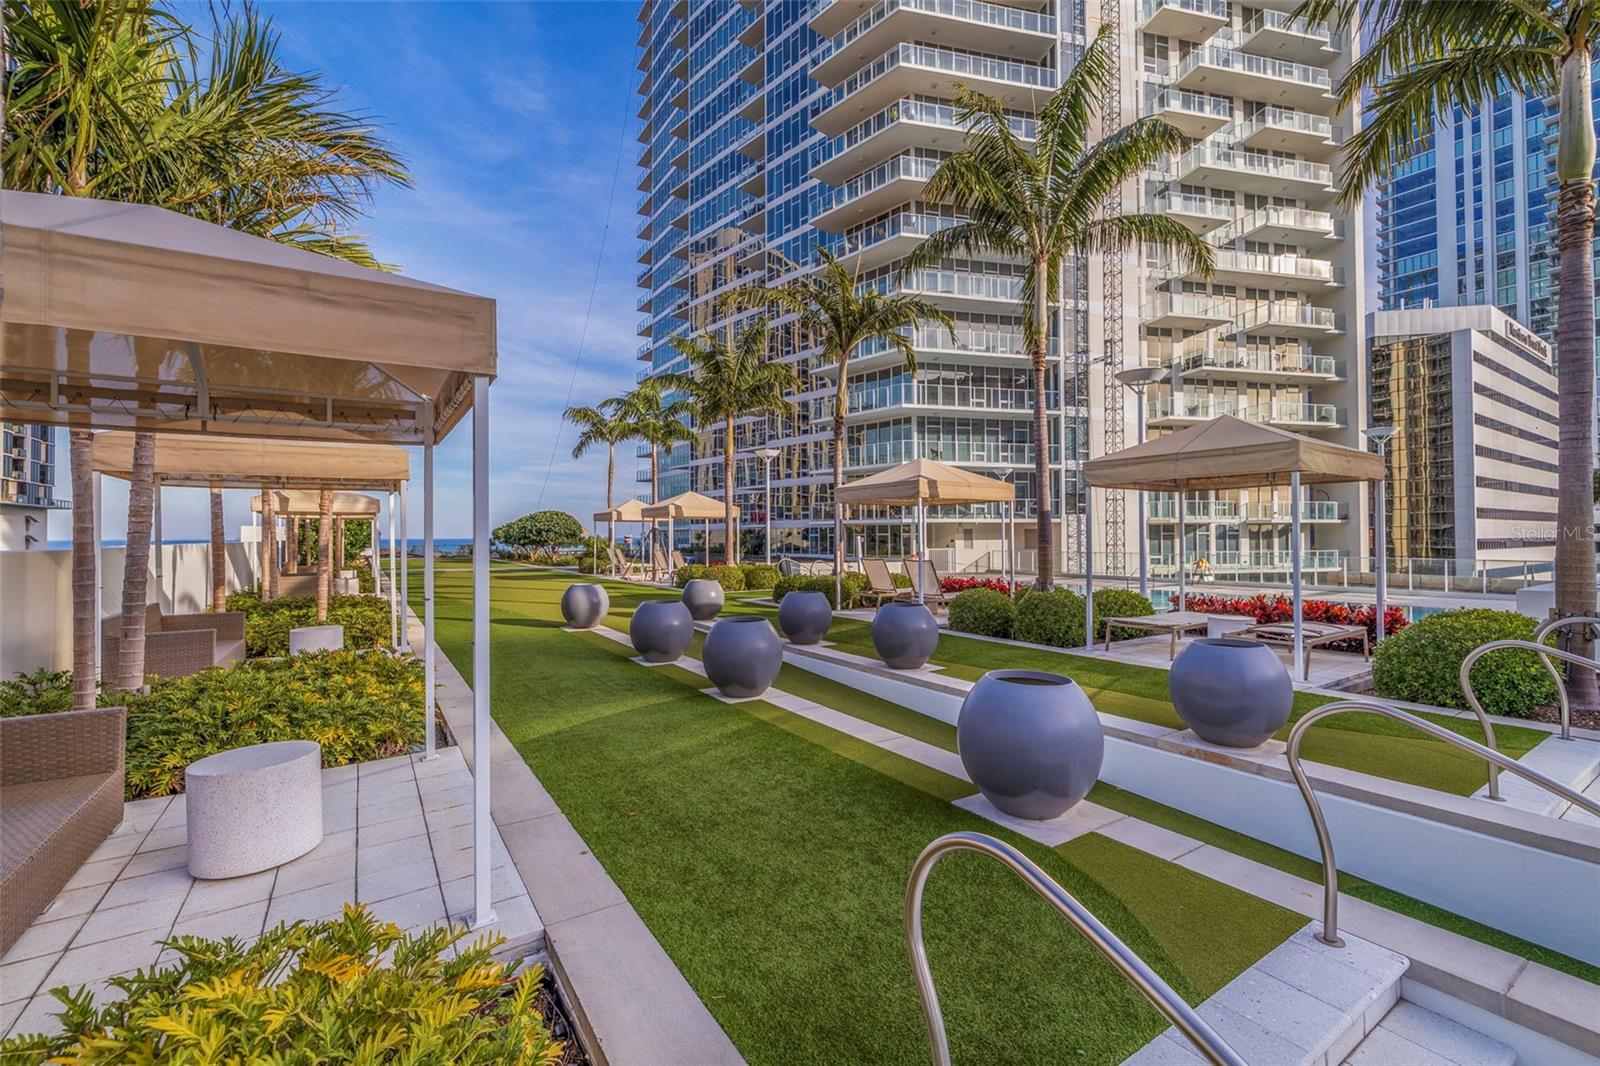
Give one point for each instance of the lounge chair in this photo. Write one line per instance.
(925, 578)
(177, 645)
(1312, 635)
(61, 780)
(1173, 623)
(882, 586)
(621, 565)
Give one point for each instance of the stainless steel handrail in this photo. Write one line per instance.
(1146, 980)
(1545, 653)
(1330, 872)
(1544, 630)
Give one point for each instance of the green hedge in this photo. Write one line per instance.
(1054, 618)
(1119, 603)
(267, 624)
(688, 572)
(854, 586)
(729, 576)
(986, 612)
(759, 575)
(1422, 663)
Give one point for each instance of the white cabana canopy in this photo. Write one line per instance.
(686, 505)
(243, 462)
(122, 316)
(627, 511)
(305, 503)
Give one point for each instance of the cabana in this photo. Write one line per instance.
(1229, 453)
(626, 511)
(689, 506)
(295, 504)
(122, 316)
(924, 482)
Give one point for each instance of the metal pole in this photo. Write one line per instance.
(1300, 665)
(1088, 563)
(1183, 599)
(428, 674)
(768, 534)
(482, 912)
(160, 563)
(372, 555)
(1382, 536)
(1144, 512)
(405, 570)
(394, 603)
(922, 550)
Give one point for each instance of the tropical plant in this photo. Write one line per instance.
(1426, 57)
(985, 611)
(606, 424)
(835, 312)
(348, 989)
(42, 692)
(681, 576)
(759, 575)
(267, 622)
(1423, 663)
(659, 423)
(1051, 616)
(1043, 202)
(729, 575)
(727, 382)
(541, 529)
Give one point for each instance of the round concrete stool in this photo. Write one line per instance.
(253, 808)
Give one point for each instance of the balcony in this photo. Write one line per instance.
(888, 238)
(1288, 414)
(981, 347)
(1186, 310)
(1257, 562)
(1279, 129)
(1162, 508)
(1197, 115)
(903, 125)
(909, 69)
(1289, 318)
(1224, 362)
(1276, 512)
(964, 291)
(1252, 172)
(1283, 225)
(1200, 213)
(1176, 410)
(1230, 72)
(870, 403)
(979, 26)
(894, 182)
(1192, 20)
(1282, 36)
(1249, 268)
(967, 453)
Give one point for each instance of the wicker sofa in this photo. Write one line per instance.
(177, 645)
(61, 780)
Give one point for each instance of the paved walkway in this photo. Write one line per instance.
(397, 836)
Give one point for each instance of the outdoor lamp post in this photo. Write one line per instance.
(1379, 435)
(1138, 379)
(766, 455)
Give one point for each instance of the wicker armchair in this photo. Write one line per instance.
(61, 780)
(177, 645)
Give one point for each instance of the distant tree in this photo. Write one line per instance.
(540, 530)
(606, 424)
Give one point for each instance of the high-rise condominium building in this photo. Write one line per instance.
(27, 484)
(773, 128)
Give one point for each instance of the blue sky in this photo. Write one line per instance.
(511, 117)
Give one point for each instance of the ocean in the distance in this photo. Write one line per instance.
(443, 545)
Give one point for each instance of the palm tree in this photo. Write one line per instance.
(85, 568)
(1427, 57)
(111, 100)
(1044, 202)
(606, 424)
(725, 383)
(128, 671)
(658, 422)
(219, 561)
(832, 309)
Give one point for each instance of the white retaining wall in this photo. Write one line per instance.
(36, 596)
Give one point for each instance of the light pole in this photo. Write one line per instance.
(1379, 435)
(1138, 379)
(766, 455)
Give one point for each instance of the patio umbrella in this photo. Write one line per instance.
(1229, 453)
(626, 511)
(921, 482)
(688, 505)
(124, 316)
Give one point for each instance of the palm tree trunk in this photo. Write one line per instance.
(840, 401)
(324, 552)
(291, 554)
(129, 673)
(269, 545)
(1045, 579)
(655, 497)
(611, 471)
(84, 570)
(219, 558)
(727, 497)
(1575, 211)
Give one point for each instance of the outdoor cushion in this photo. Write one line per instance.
(37, 811)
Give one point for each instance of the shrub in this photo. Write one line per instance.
(786, 584)
(1422, 663)
(352, 989)
(1120, 603)
(759, 575)
(42, 692)
(688, 572)
(1054, 618)
(984, 611)
(729, 576)
(267, 624)
(900, 579)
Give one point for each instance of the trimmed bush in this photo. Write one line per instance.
(267, 624)
(983, 611)
(1054, 618)
(688, 572)
(729, 576)
(786, 584)
(1422, 663)
(1119, 603)
(353, 989)
(759, 575)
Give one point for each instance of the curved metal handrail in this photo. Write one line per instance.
(1135, 969)
(1545, 629)
(1330, 872)
(1545, 653)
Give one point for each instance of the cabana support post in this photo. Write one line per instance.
(482, 914)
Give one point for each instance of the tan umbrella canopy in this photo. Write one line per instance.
(926, 481)
(1229, 453)
(627, 511)
(303, 503)
(242, 462)
(687, 505)
(126, 316)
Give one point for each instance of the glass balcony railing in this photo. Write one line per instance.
(1281, 118)
(1216, 55)
(1186, 305)
(1162, 507)
(1192, 407)
(962, 63)
(1216, 9)
(1287, 313)
(1169, 99)
(1258, 360)
(879, 395)
(1247, 561)
(1293, 218)
(1006, 453)
(938, 282)
(899, 224)
(1291, 266)
(1207, 155)
(910, 109)
(1282, 22)
(1310, 511)
(1188, 203)
(981, 342)
(1285, 411)
(915, 167)
(968, 10)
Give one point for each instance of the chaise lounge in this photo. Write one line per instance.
(61, 780)
(177, 645)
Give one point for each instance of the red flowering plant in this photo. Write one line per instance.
(962, 584)
(1269, 609)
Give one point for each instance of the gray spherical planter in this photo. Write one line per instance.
(1030, 741)
(742, 656)
(661, 630)
(1231, 691)
(904, 634)
(703, 597)
(805, 617)
(583, 606)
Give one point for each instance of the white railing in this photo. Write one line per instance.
(1293, 266)
(1321, 414)
(1213, 55)
(1247, 359)
(1298, 218)
(1208, 155)
(1282, 22)
(905, 223)
(1310, 511)
(916, 167)
(970, 10)
(1163, 507)
(1289, 313)
(960, 283)
(921, 55)
(1186, 304)
(911, 110)
(1217, 9)
(1184, 406)
(1282, 118)
(1192, 103)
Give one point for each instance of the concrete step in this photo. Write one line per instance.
(1410, 1035)
(1578, 814)
(1575, 763)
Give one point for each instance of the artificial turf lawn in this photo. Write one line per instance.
(768, 855)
